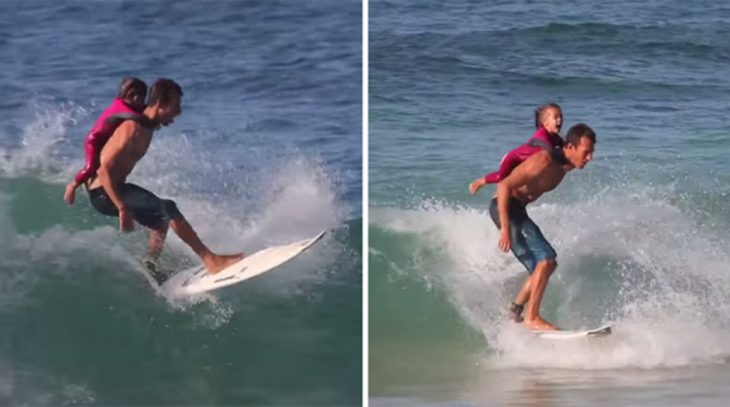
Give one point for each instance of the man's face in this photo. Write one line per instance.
(580, 154)
(168, 112)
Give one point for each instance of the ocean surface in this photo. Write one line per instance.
(267, 150)
(641, 233)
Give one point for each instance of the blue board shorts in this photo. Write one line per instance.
(527, 242)
(144, 206)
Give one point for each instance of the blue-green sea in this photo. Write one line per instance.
(641, 233)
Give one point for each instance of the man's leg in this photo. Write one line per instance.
(524, 294)
(538, 283)
(157, 214)
(539, 257)
(519, 249)
(525, 256)
(152, 262)
(213, 262)
(518, 304)
(157, 241)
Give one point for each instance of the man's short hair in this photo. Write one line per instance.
(579, 131)
(162, 91)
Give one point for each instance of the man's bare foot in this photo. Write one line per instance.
(539, 324)
(218, 262)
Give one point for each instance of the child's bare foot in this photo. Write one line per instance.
(219, 262)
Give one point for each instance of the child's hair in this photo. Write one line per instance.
(132, 87)
(162, 90)
(541, 109)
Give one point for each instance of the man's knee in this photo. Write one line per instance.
(170, 209)
(552, 264)
(548, 264)
(161, 227)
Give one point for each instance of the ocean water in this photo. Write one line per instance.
(267, 150)
(641, 232)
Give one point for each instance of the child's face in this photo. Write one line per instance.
(552, 120)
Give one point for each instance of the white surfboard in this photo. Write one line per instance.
(567, 335)
(197, 280)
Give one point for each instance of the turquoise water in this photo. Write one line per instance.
(266, 151)
(641, 233)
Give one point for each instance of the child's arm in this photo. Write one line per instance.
(509, 162)
(91, 164)
(70, 194)
(476, 185)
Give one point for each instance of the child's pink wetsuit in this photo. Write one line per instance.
(103, 129)
(541, 139)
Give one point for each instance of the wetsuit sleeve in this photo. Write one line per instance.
(509, 162)
(92, 151)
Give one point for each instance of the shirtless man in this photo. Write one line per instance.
(540, 173)
(111, 195)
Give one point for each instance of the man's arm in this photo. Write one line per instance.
(116, 158)
(520, 176)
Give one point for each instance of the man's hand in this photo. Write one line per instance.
(476, 185)
(126, 223)
(504, 240)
